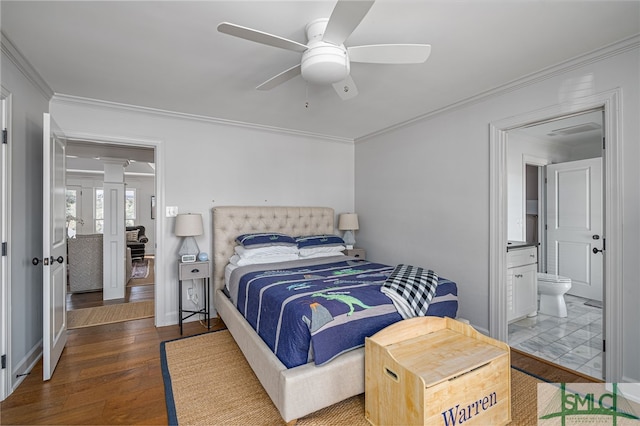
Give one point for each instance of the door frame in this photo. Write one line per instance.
(158, 148)
(610, 102)
(5, 236)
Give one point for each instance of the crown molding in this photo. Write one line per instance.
(605, 52)
(14, 55)
(115, 106)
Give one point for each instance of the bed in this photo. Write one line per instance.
(304, 387)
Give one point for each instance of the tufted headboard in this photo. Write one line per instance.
(231, 221)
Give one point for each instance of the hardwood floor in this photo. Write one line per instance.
(108, 374)
(94, 298)
(111, 374)
(137, 290)
(546, 370)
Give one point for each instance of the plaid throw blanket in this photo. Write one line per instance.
(411, 288)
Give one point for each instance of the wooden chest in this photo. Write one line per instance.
(436, 371)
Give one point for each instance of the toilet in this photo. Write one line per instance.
(551, 289)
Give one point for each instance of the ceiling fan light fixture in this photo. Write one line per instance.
(325, 59)
(325, 64)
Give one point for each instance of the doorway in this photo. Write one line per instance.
(87, 214)
(609, 103)
(556, 204)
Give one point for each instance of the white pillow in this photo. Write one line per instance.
(330, 250)
(320, 254)
(238, 261)
(247, 253)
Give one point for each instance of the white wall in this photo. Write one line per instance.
(25, 241)
(422, 191)
(202, 163)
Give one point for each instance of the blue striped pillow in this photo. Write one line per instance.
(265, 239)
(318, 241)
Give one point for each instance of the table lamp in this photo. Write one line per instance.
(348, 223)
(189, 225)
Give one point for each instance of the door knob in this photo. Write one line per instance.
(596, 251)
(35, 261)
(59, 259)
(596, 237)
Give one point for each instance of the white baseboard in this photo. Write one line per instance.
(24, 367)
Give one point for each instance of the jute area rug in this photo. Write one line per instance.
(109, 314)
(208, 382)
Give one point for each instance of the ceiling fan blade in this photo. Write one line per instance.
(260, 37)
(390, 53)
(280, 78)
(346, 88)
(346, 16)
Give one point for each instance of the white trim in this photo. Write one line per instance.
(100, 104)
(611, 103)
(26, 364)
(528, 80)
(5, 235)
(163, 290)
(25, 67)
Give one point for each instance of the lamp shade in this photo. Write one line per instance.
(348, 222)
(188, 225)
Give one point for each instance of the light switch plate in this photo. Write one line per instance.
(172, 211)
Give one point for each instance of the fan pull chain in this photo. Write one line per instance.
(306, 89)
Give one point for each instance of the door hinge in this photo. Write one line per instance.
(604, 345)
(4, 249)
(5, 136)
(4, 361)
(604, 145)
(604, 244)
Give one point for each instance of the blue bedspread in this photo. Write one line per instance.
(322, 308)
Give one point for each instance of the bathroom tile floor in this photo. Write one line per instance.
(574, 342)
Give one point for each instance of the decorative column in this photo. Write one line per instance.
(114, 246)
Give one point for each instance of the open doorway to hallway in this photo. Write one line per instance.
(87, 218)
(561, 153)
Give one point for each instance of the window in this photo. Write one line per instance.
(74, 219)
(99, 210)
(129, 207)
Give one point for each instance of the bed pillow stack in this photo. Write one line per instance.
(258, 248)
(320, 246)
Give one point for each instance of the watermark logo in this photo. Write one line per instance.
(586, 404)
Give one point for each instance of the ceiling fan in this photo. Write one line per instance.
(325, 59)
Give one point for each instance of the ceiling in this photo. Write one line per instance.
(570, 131)
(168, 55)
(88, 157)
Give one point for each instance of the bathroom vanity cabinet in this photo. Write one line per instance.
(522, 281)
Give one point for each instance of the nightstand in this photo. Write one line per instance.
(355, 252)
(194, 271)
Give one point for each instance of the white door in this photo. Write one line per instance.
(54, 244)
(575, 224)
